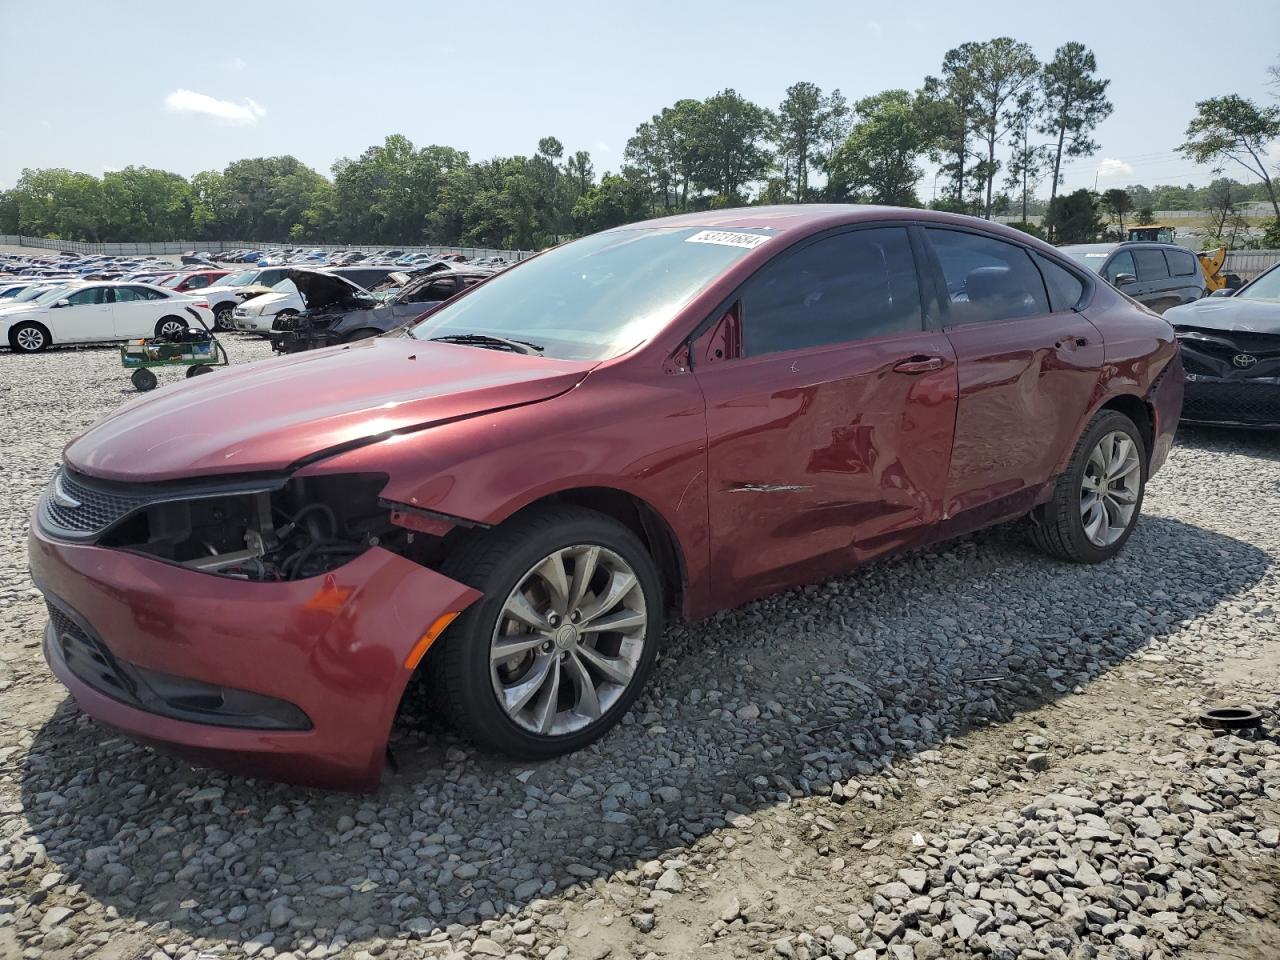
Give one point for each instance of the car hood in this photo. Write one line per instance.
(1227, 314)
(243, 292)
(267, 416)
(320, 290)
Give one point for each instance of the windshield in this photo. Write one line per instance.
(1093, 260)
(240, 279)
(172, 281)
(30, 293)
(1266, 287)
(596, 297)
(51, 296)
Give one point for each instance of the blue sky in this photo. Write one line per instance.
(97, 86)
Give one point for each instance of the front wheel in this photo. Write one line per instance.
(28, 338)
(1097, 499)
(562, 642)
(222, 316)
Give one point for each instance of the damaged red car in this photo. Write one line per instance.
(514, 494)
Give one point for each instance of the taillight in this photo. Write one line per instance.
(202, 303)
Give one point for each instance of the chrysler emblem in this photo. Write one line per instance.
(62, 498)
(1244, 360)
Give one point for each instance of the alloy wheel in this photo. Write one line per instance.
(171, 328)
(568, 640)
(1110, 488)
(29, 338)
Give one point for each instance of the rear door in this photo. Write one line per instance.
(135, 311)
(1154, 287)
(85, 319)
(1186, 277)
(830, 410)
(1028, 368)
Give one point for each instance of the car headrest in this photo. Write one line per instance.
(986, 283)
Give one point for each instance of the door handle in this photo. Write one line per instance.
(919, 364)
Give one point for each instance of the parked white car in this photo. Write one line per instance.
(98, 313)
(257, 315)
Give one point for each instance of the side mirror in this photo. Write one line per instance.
(1223, 292)
(63, 303)
(1124, 279)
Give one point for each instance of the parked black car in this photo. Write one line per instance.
(1231, 355)
(329, 320)
(1157, 275)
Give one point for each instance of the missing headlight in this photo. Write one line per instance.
(305, 528)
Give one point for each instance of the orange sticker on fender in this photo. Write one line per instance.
(727, 238)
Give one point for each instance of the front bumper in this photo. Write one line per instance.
(334, 647)
(1232, 402)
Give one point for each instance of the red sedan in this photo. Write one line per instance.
(665, 419)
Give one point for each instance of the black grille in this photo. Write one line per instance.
(95, 508)
(1240, 402)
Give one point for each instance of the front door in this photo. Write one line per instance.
(829, 421)
(1028, 371)
(85, 318)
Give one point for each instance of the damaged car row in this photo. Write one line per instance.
(510, 499)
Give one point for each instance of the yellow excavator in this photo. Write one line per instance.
(1211, 261)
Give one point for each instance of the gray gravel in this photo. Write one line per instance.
(970, 751)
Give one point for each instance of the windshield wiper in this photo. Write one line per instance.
(496, 343)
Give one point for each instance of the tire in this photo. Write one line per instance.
(170, 325)
(143, 379)
(502, 562)
(29, 337)
(198, 370)
(222, 316)
(1060, 528)
(364, 333)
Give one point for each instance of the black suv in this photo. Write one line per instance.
(1158, 275)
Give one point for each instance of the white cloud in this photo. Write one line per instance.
(188, 101)
(602, 147)
(236, 65)
(875, 28)
(1113, 168)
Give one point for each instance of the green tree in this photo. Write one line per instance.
(948, 114)
(729, 138)
(999, 72)
(1028, 161)
(1117, 202)
(1237, 129)
(807, 121)
(1222, 201)
(614, 201)
(1073, 218)
(879, 162)
(1075, 102)
(1146, 216)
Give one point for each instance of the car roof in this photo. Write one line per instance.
(1108, 247)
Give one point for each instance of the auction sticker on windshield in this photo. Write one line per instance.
(727, 238)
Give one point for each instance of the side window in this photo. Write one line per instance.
(1065, 289)
(270, 278)
(196, 282)
(848, 287)
(88, 295)
(1122, 262)
(1151, 265)
(146, 293)
(1182, 264)
(125, 295)
(987, 279)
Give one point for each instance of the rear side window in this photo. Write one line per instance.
(1151, 265)
(1065, 289)
(987, 279)
(852, 286)
(1182, 264)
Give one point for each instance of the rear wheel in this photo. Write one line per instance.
(1097, 499)
(564, 639)
(28, 337)
(170, 326)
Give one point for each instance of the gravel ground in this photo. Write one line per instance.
(968, 752)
